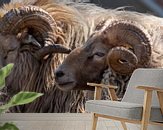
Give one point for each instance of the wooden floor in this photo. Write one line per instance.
(57, 121)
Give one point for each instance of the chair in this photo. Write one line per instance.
(137, 106)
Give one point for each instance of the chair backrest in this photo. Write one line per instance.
(143, 77)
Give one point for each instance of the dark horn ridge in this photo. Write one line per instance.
(57, 48)
(134, 27)
(124, 28)
(38, 21)
(131, 26)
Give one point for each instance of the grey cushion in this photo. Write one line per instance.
(125, 110)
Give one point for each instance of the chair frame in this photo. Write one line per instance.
(146, 106)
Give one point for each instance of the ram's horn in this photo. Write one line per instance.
(133, 38)
(57, 48)
(122, 60)
(37, 21)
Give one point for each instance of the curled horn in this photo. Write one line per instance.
(40, 25)
(117, 60)
(57, 48)
(130, 46)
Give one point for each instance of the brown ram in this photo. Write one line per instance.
(27, 29)
(122, 42)
(33, 74)
(31, 33)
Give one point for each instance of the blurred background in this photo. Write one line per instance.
(145, 6)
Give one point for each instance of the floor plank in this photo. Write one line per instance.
(57, 121)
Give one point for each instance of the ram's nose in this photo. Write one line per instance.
(59, 73)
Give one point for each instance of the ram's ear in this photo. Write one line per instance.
(25, 38)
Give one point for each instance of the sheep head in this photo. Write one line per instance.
(121, 45)
(34, 38)
(28, 28)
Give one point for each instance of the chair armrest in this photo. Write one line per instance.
(148, 91)
(98, 90)
(147, 88)
(102, 85)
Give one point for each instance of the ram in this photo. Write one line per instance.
(30, 38)
(122, 42)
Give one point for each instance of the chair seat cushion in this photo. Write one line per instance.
(131, 111)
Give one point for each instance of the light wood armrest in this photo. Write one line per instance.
(147, 88)
(98, 90)
(148, 97)
(148, 101)
(102, 85)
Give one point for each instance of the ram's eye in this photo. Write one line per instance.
(96, 55)
(100, 54)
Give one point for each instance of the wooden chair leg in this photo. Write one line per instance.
(112, 94)
(160, 98)
(94, 121)
(146, 110)
(124, 125)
